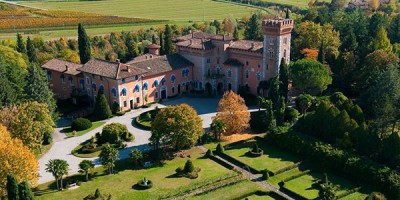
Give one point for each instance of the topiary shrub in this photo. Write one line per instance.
(47, 138)
(113, 132)
(209, 154)
(115, 107)
(80, 124)
(143, 184)
(220, 148)
(255, 151)
(265, 174)
(189, 167)
(188, 171)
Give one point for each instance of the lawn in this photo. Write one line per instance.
(177, 10)
(69, 132)
(77, 152)
(120, 185)
(273, 159)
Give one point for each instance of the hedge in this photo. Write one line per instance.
(140, 125)
(221, 162)
(286, 168)
(80, 124)
(296, 176)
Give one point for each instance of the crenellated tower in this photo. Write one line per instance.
(277, 35)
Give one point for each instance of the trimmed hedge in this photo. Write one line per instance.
(286, 168)
(296, 176)
(141, 125)
(80, 124)
(221, 162)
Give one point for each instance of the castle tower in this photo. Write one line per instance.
(277, 34)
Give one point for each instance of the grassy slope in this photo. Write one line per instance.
(119, 185)
(179, 10)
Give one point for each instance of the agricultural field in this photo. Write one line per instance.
(176, 10)
(298, 3)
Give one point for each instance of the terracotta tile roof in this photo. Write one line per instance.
(110, 69)
(247, 45)
(196, 44)
(162, 64)
(233, 62)
(142, 57)
(153, 46)
(61, 66)
(202, 35)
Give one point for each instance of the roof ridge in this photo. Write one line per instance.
(118, 69)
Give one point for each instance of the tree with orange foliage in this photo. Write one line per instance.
(374, 4)
(310, 53)
(311, 4)
(17, 159)
(233, 112)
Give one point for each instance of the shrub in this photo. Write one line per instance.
(220, 148)
(115, 107)
(209, 153)
(188, 171)
(47, 138)
(255, 148)
(137, 157)
(80, 124)
(148, 116)
(291, 114)
(189, 167)
(113, 132)
(255, 151)
(179, 170)
(265, 174)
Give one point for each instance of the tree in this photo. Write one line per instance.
(16, 159)
(287, 13)
(280, 111)
(253, 28)
(374, 4)
(229, 24)
(377, 22)
(189, 167)
(25, 192)
(375, 63)
(30, 48)
(327, 190)
(236, 34)
(8, 92)
(84, 45)
(37, 89)
(137, 157)
(97, 193)
(269, 120)
(12, 188)
(108, 156)
(69, 55)
(233, 112)
(274, 90)
(218, 127)
(321, 53)
(114, 132)
(178, 126)
(58, 168)
(162, 48)
(131, 44)
(394, 30)
(101, 109)
(309, 53)
(85, 166)
(284, 79)
(381, 41)
(20, 44)
(304, 102)
(339, 4)
(220, 148)
(168, 40)
(318, 76)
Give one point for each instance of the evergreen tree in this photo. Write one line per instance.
(287, 13)
(168, 40)
(321, 53)
(394, 30)
(189, 167)
(217, 25)
(102, 109)
(25, 192)
(20, 44)
(349, 42)
(274, 90)
(8, 93)
(253, 28)
(12, 187)
(269, 119)
(280, 111)
(84, 45)
(97, 193)
(236, 34)
(30, 50)
(153, 39)
(37, 88)
(132, 47)
(381, 41)
(284, 78)
(162, 49)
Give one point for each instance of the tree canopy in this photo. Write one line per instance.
(84, 45)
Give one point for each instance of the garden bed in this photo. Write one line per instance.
(144, 120)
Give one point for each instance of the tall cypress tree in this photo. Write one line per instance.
(284, 78)
(287, 13)
(132, 47)
(30, 50)
(84, 45)
(253, 28)
(153, 39)
(12, 187)
(236, 34)
(101, 109)
(168, 40)
(280, 111)
(20, 44)
(321, 53)
(25, 192)
(274, 90)
(37, 88)
(162, 51)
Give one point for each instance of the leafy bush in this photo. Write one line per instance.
(80, 124)
(291, 114)
(47, 138)
(188, 171)
(209, 153)
(265, 175)
(220, 148)
(137, 157)
(113, 132)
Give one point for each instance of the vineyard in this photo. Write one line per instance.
(14, 17)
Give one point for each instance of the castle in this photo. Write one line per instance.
(203, 62)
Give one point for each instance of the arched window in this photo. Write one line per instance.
(247, 73)
(71, 80)
(163, 81)
(62, 78)
(173, 78)
(183, 73)
(94, 86)
(155, 83)
(81, 83)
(187, 72)
(145, 86)
(101, 87)
(124, 92)
(229, 73)
(114, 92)
(88, 91)
(258, 76)
(137, 88)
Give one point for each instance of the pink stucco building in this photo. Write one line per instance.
(203, 62)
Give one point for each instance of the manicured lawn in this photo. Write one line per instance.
(69, 132)
(120, 185)
(230, 192)
(274, 180)
(76, 152)
(178, 10)
(355, 195)
(273, 159)
(258, 197)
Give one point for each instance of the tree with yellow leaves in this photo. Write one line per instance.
(233, 112)
(374, 4)
(17, 159)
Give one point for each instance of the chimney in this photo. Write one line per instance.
(118, 60)
(252, 45)
(66, 68)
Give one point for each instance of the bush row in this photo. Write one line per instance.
(294, 176)
(340, 161)
(286, 168)
(236, 162)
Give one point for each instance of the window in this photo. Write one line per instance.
(271, 54)
(183, 73)
(173, 78)
(247, 63)
(258, 76)
(267, 66)
(124, 92)
(156, 95)
(94, 86)
(271, 41)
(247, 73)
(62, 78)
(187, 72)
(123, 81)
(114, 92)
(101, 88)
(229, 73)
(125, 104)
(137, 88)
(259, 65)
(209, 72)
(145, 86)
(173, 90)
(137, 100)
(71, 80)
(284, 53)
(88, 91)
(155, 83)
(284, 40)
(208, 60)
(87, 80)
(218, 70)
(81, 83)
(163, 81)
(49, 75)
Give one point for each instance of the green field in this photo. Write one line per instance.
(120, 185)
(298, 3)
(177, 10)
